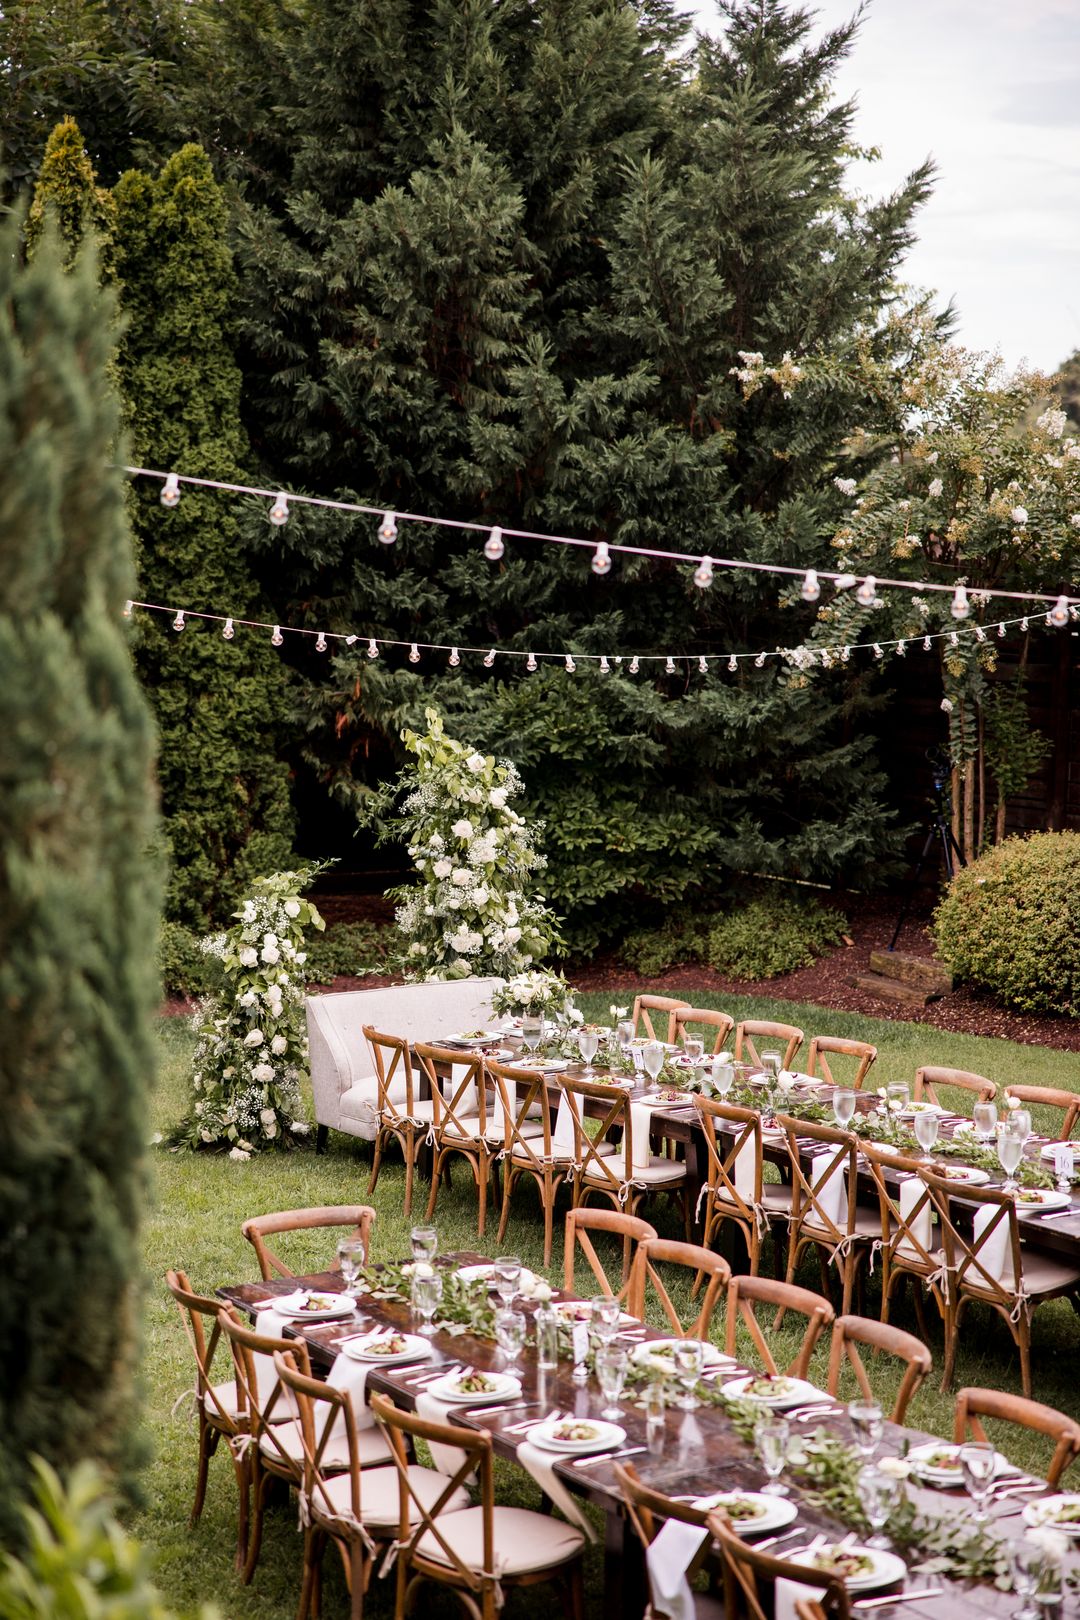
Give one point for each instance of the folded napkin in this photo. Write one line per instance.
(911, 1190)
(498, 1126)
(669, 1557)
(447, 1459)
(787, 1593)
(541, 1466)
(352, 1376)
(995, 1254)
(831, 1195)
(640, 1125)
(270, 1324)
(562, 1138)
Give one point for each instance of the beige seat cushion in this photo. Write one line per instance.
(1043, 1274)
(867, 1226)
(523, 1540)
(529, 1129)
(774, 1197)
(380, 1500)
(659, 1171)
(371, 1445)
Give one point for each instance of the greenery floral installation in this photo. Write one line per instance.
(539, 992)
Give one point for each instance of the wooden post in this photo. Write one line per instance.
(1059, 704)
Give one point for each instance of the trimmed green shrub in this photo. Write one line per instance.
(1010, 923)
(350, 948)
(186, 969)
(650, 951)
(772, 935)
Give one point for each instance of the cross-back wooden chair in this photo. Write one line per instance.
(218, 1406)
(745, 1566)
(478, 1552)
(357, 1509)
(655, 1252)
(521, 1106)
(825, 1212)
(822, 1047)
(972, 1405)
(645, 1506)
(745, 1292)
(1050, 1097)
(911, 1251)
(851, 1331)
(357, 1219)
(402, 1116)
(735, 1189)
(459, 1121)
(755, 1029)
(607, 1166)
(986, 1263)
(645, 1006)
(714, 1026)
(582, 1224)
(930, 1076)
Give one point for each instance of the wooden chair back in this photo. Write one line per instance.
(645, 1505)
(838, 1162)
(972, 1405)
(744, 1293)
(691, 1256)
(718, 1023)
(745, 1566)
(851, 1331)
(645, 1006)
(752, 1029)
(1050, 1097)
(722, 1154)
(581, 1224)
(193, 1307)
(822, 1047)
(265, 1409)
(527, 1100)
(900, 1234)
(930, 1076)
(461, 1110)
(611, 1113)
(393, 1061)
(324, 1414)
(357, 1217)
(966, 1251)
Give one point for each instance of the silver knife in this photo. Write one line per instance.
(901, 1597)
(606, 1456)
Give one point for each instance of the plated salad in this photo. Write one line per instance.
(767, 1385)
(574, 1429)
(318, 1303)
(847, 1563)
(472, 1382)
(392, 1345)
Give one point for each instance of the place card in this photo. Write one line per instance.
(579, 1340)
(638, 1059)
(1063, 1161)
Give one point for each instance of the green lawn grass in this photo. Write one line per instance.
(200, 1202)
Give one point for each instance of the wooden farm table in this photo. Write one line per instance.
(699, 1452)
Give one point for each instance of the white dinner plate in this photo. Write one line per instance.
(963, 1175)
(1062, 1512)
(788, 1391)
(762, 1512)
(499, 1386)
(475, 1273)
(1041, 1198)
(549, 1065)
(603, 1436)
(914, 1108)
(484, 1039)
(885, 1567)
(660, 1353)
(366, 1349)
(946, 1475)
(331, 1306)
(580, 1310)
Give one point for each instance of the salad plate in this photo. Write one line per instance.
(309, 1305)
(660, 1354)
(1041, 1198)
(1062, 1512)
(471, 1386)
(939, 1462)
(914, 1108)
(387, 1349)
(751, 1512)
(969, 1175)
(573, 1435)
(776, 1390)
(859, 1567)
(580, 1310)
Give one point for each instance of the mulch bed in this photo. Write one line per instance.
(827, 983)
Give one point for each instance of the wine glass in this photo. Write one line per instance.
(507, 1277)
(1010, 1150)
(978, 1462)
(1027, 1565)
(843, 1106)
(604, 1316)
(352, 1258)
(1020, 1123)
(897, 1096)
(652, 1058)
(688, 1355)
(869, 1425)
(588, 1041)
(510, 1332)
(984, 1117)
(425, 1243)
(532, 1031)
(425, 1293)
(723, 1074)
(694, 1048)
(772, 1439)
(926, 1132)
(624, 1034)
(877, 1493)
(611, 1366)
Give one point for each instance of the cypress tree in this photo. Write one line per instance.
(78, 892)
(67, 189)
(220, 706)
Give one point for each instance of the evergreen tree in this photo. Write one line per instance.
(220, 706)
(78, 892)
(67, 189)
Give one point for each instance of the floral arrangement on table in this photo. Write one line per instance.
(473, 910)
(252, 1055)
(539, 992)
(465, 1305)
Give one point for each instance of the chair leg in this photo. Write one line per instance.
(547, 1194)
(482, 1190)
(203, 1473)
(1023, 1338)
(356, 1581)
(322, 1133)
(409, 1149)
(313, 1551)
(435, 1169)
(508, 1179)
(376, 1162)
(255, 1539)
(575, 1585)
(243, 1490)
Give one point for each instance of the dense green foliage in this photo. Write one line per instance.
(756, 937)
(78, 893)
(1010, 923)
(67, 191)
(220, 705)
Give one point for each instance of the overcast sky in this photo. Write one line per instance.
(991, 90)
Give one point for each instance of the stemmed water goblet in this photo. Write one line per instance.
(352, 1258)
(425, 1293)
(984, 1117)
(1020, 1123)
(652, 1059)
(843, 1106)
(868, 1423)
(1010, 1150)
(897, 1097)
(588, 1041)
(510, 1326)
(611, 1366)
(424, 1242)
(604, 1313)
(688, 1356)
(978, 1462)
(507, 1278)
(694, 1049)
(926, 1132)
(772, 1437)
(1027, 1567)
(624, 1034)
(877, 1493)
(532, 1031)
(723, 1074)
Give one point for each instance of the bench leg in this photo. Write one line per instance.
(321, 1134)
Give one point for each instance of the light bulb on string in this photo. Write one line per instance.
(926, 644)
(570, 665)
(669, 667)
(1001, 630)
(845, 655)
(878, 653)
(601, 563)
(605, 667)
(493, 545)
(634, 665)
(228, 631)
(455, 658)
(1023, 624)
(954, 639)
(759, 661)
(170, 491)
(980, 633)
(277, 638)
(489, 658)
(530, 663)
(901, 647)
(279, 512)
(703, 574)
(703, 664)
(733, 663)
(811, 586)
(128, 605)
(388, 529)
(414, 654)
(867, 591)
(178, 622)
(320, 645)
(372, 648)
(1059, 613)
(844, 582)
(351, 641)
(960, 605)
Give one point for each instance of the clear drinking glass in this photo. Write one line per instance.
(655, 1402)
(510, 1332)
(926, 1132)
(425, 1243)
(897, 1096)
(771, 1062)
(624, 1034)
(1020, 1123)
(694, 1047)
(352, 1258)
(1010, 1150)
(652, 1057)
(1027, 1562)
(843, 1106)
(532, 1031)
(507, 1278)
(604, 1317)
(588, 1041)
(611, 1375)
(977, 1460)
(688, 1356)
(426, 1292)
(869, 1424)
(772, 1439)
(877, 1493)
(984, 1117)
(546, 1326)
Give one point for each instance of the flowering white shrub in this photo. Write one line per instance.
(252, 1051)
(472, 911)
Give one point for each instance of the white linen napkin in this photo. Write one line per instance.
(742, 1171)
(497, 1126)
(562, 1138)
(911, 1190)
(447, 1459)
(832, 1198)
(669, 1557)
(270, 1324)
(541, 1465)
(351, 1376)
(640, 1123)
(996, 1253)
(787, 1593)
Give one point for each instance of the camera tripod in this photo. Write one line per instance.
(938, 831)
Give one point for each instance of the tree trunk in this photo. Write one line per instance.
(969, 811)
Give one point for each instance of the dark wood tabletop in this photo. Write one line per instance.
(698, 1453)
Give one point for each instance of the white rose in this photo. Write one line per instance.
(254, 1037)
(461, 878)
(1053, 1544)
(542, 1293)
(205, 1135)
(270, 939)
(248, 999)
(300, 1127)
(480, 895)
(442, 869)
(453, 902)
(270, 953)
(475, 762)
(249, 911)
(846, 486)
(894, 1467)
(1011, 1101)
(267, 1116)
(422, 1269)
(462, 828)
(227, 1074)
(1019, 514)
(946, 704)
(497, 798)
(248, 956)
(513, 935)
(292, 908)
(474, 796)
(279, 1045)
(263, 1073)
(238, 1154)
(575, 1015)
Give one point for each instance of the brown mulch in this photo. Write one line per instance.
(827, 983)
